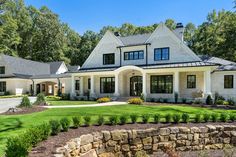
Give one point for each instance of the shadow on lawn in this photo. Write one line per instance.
(13, 124)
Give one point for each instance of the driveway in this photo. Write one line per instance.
(7, 103)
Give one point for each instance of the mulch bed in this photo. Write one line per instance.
(25, 110)
(46, 148)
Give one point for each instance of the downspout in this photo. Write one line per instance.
(32, 92)
(59, 87)
(120, 56)
(146, 54)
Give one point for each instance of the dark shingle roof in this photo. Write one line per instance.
(134, 39)
(54, 66)
(230, 67)
(216, 60)
(73, 68)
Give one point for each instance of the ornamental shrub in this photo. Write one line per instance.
(176, 118)
(214, 117)
(157, 118)
(136, 101)
(145, 118)
(134, 118)
(232, 117)
(231, 101)
(185, 117)
(87, 120)
(176, 97)
(25, 102)
(223, 117)
(77, 121)
(168, 118)
(55, 127)
(103, 100)
(123, 119)
(206, 117)
(114, 120)
(226, 103)
(65, 124)
(198, 118)
(101, 120)
(40, 99)
(209, 100)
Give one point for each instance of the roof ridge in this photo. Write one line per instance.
(135, 35)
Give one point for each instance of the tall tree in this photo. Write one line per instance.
(189, 33)
(170, 23)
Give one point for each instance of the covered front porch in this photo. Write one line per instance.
(132, 81)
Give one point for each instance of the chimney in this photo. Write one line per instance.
(179, 31)
(117, 34)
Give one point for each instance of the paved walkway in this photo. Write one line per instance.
(114, 103)
(7, 103)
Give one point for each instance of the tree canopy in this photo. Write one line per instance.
(38, 34)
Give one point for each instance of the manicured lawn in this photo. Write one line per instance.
(12, 125)
(64, 102)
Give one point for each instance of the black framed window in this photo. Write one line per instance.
(2, 70)
(134, 55)
(161, 54)
(108, 58)
(43, 87)
(191, 81)
(2, 86)
(77, 84)
(162, 84)
(228, 81)
(107, 84)
(89, 83)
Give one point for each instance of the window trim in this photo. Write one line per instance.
(4, 70)
(231, 85)
(195, 82)
(161, 48)
(104, 58)
(151, 87)
(128, 52)
(106, 81)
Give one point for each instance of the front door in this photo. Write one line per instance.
(136, 86)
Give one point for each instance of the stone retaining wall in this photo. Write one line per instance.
(132, 142)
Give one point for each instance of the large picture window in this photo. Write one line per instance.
(77, 84)
(108, 58)
(2, 86)
(107, 84)
(161, 54)
(162, 84)
(191, 81)
(134, 55)
(228, 81)
(2, 70)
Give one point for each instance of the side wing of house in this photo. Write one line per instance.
(62, 69)
(106, 48)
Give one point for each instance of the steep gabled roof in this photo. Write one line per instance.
(134, 39)
(54, 66)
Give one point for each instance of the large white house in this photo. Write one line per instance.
(156, 65)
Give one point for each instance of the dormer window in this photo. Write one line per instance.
(108, 59)
(161, 54)
(2, 70)
(134, 55)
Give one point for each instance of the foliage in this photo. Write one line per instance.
(184, 100)
(137, 101)
(53, 98)
(142, 97)
(65, 124)
(185, 117)
(123, 119)
(219, 102)
(176, 118)
(40, 99)
(168, 118)
(25, 102)
(55, 127)
(157, 118)
(101, 120)
(214, 117)
(77, 121)
(103, 100)
(198, 118)
(232, 117)
(231, 101)
(206, 117)
(197, 101)
(209, 100)
(223, 117)
(134, 118)
(226, 103)
(176, 97)
(87, 120)
(114, 120)
(65, 96)
(145, 118)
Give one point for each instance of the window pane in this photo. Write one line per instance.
(131, 56)
(162, 84)
(228, 81)
(165, 54)
(2, 86)
(141, 55)
(161, 54)
(109, 59)
(126, 56)
(2, 70)
(191, 81)
(157, 54)
(107, 85)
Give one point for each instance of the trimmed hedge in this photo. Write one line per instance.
(25, 102)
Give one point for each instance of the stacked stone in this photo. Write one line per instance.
(136, 142)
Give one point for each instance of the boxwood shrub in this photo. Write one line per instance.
(157, 118)
(114, 120)
(87, 120)
(25, 102)
(232, 117)
(145, 118)
(176, 118)
(65, 124)
(206, 117)
(223, 117)
(77, 121)
(134, 118)
(168, 118)
(185, 117)
(101, 120)
(55, 127)
(214, 117)
(198, 118)
(123, 119)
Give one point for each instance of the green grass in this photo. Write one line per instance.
(13, 125)
(65, 102)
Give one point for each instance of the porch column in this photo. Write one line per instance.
(144, 85)
(81, 86)
(207, 83)
(92, 92)
(72, 94)
(176, 82)
(116, 85)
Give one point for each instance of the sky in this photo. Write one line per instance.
(83, 15)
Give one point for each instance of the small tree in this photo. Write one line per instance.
(40, 99)
(25, 102)
(209, 100)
